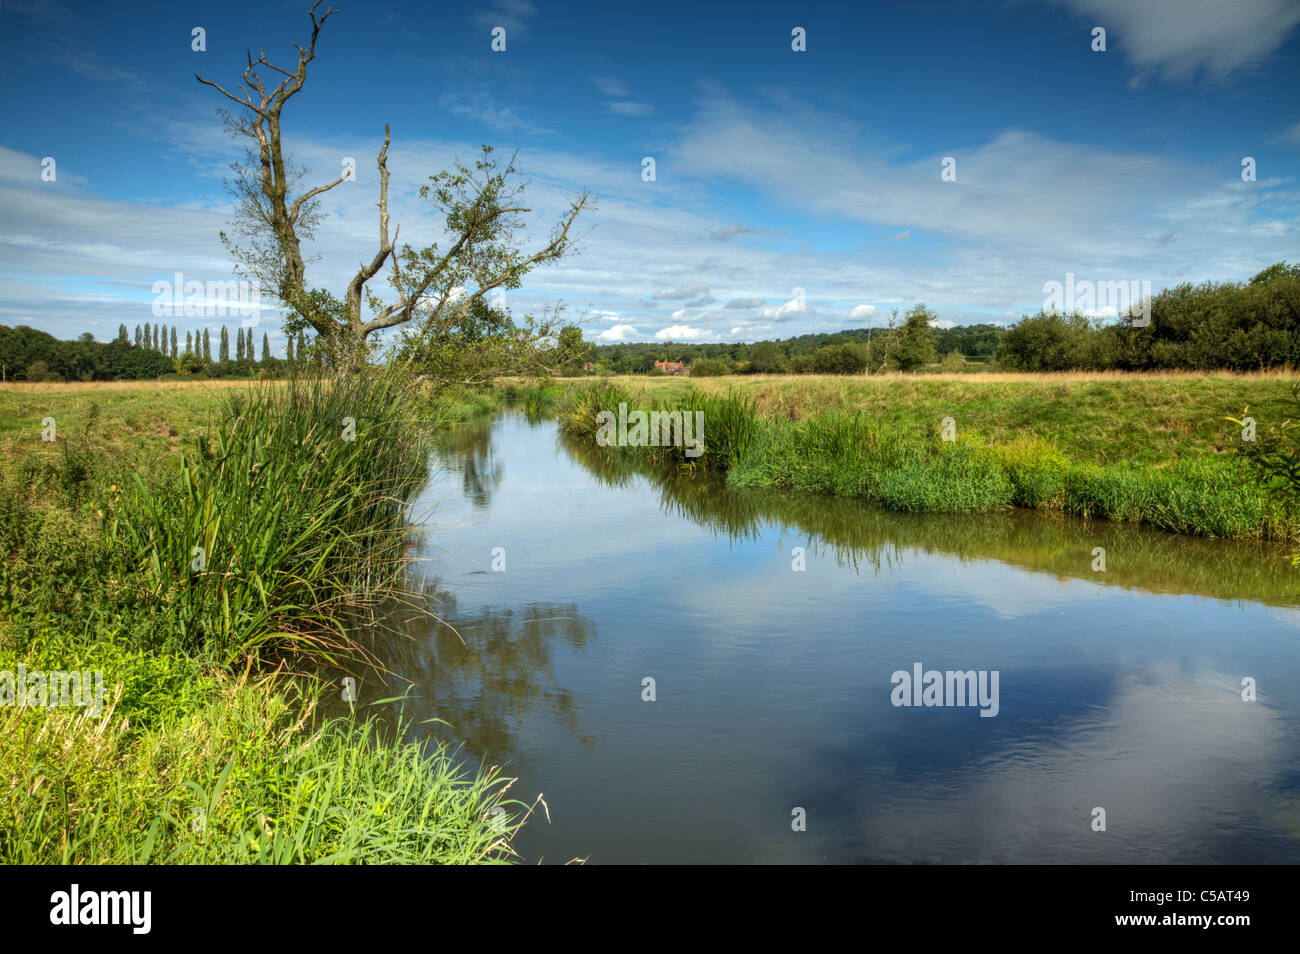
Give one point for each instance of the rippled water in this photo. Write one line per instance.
(1119, 690)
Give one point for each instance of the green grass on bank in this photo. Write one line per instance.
(1155, 449)
(1099, 418)
(296, 493)
(185, 766)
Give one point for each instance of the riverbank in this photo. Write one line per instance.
(145, 540)
(1151, 449)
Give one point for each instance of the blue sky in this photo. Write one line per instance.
(776, 170)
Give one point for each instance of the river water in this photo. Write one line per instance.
(774, 691)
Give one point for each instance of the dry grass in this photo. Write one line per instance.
(980, 377)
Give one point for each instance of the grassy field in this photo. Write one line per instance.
(1155, 449)
(207, 748)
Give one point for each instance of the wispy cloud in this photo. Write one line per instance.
(482, 108)
(511, 14)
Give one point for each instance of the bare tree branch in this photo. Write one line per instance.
(481, 220)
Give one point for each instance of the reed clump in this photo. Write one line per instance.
(289, 509)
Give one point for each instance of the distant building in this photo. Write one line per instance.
(671, 367)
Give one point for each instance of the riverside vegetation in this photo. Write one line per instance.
(209, 748)
(1159, 450)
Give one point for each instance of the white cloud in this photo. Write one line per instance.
(480, 107)
(1183, 36)
(681, 333)
(511, 14)
(861, 312)
(615, 333)
(731, 231)
(1289, 136)
(998, 238)
(784, 311)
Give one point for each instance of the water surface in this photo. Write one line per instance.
(1119, 689)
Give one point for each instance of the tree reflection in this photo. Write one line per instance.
(485, 677)
(467, 450)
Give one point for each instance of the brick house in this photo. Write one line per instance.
(670, 367)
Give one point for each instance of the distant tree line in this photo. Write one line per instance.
(868, 347)
(1211, 326)
(153, 351)
(1234, 326)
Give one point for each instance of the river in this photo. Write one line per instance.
(774, 690)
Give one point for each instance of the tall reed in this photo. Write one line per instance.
(289, 510)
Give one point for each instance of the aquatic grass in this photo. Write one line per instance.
(1037, 471)
(853, 455)
(539, 402)
(1091, 417)
(892, 457)
(1205, 497)
(578, 407)
(730, 426)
